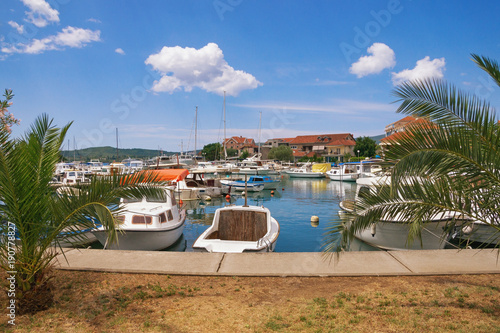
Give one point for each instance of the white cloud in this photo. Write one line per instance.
(120, 51)
(40, 13)
(382, 57)
(425, 68)
(69, 36)
(340, 106)
(93, 20)
(204, 68)
(17, 26)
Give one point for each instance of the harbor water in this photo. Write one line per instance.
(293, 203)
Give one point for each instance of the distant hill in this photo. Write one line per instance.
(377, 138)
(108, 154)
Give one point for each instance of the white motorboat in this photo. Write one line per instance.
(228, 186)
(146, 225)
(304, 172)
(350, 171)
(341, 174)
(390, 233)
(194, 187)
(74, 177)
(237, 229)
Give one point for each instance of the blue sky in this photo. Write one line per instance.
(310, 67)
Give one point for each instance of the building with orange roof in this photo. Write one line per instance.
(241, 144)
(398, 126)
(333, 147)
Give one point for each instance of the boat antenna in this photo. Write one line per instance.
(195, 134)
(225, 152)
(246, 192)
(117, 143)
(260, 129)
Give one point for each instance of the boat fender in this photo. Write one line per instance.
(468, 229)
(373, 229)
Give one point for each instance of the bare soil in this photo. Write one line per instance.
(112, 302)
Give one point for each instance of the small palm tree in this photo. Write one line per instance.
(40, 217)
(451, 162)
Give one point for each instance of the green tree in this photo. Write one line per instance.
(244, 154)
(231, 152)
(282, 153)
(212, 151)
(33, 212)
(315, 158)
(366, 146)
(450, 163)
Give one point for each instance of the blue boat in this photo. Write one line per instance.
(269, 184)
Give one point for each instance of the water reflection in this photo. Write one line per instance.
(293, 204)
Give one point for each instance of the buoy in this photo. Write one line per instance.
(314, 221)
(180, 201)
(208, 198)
(228, 197)
(283, 189)
(272, 192)
(243, 193)
(373, 229)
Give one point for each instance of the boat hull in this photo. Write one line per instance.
(342, 178)
(394, 236)
(479, 233)
(229, 187)
(305, 175)
(143, 240)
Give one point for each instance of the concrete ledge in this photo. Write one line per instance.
(376, 263)
(431, 262)
(182, 263)
(311, 264)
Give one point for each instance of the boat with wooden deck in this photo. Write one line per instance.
(237, 229)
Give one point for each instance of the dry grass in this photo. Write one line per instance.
(106, 302)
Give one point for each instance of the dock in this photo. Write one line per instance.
(286, 264)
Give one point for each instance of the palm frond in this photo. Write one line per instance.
(490, 66)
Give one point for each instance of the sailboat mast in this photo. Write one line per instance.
(224, 142)
(260, 129)
(117, 144)
(195, 132)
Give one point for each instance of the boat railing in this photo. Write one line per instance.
(264, 242)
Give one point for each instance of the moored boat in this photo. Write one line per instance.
(146, 224)
(228, 186)
(269, 183)
(237, 229)
(391, 232)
